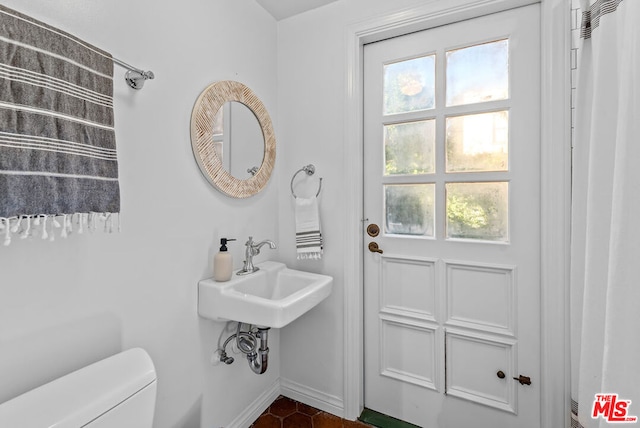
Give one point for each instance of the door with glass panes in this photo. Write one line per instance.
(452, 240)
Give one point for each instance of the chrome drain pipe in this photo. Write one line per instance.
(259, 361)
(246, 343)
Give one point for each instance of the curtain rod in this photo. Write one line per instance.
(134, 76)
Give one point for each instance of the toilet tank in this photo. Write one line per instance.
(117, 392)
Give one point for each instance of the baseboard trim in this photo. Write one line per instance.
(312, 397)
(296, 391)
(255, 409)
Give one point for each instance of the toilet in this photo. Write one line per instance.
(117, 392)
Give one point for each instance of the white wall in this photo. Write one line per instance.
(68, 303)
(312, 73)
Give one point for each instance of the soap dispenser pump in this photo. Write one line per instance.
(223, 262)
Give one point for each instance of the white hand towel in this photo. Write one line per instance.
(308, 236)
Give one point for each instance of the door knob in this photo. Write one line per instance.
(373, 247)
(373, 230)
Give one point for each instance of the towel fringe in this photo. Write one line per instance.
(63, 233)
(6, 226)
(46, 224)
(310, 256)
(81, 222)
(27, 230)
(45, 235)
(16, 226)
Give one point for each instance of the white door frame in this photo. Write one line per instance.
(555, 189)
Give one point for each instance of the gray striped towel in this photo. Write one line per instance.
(309, 243)
(57, 140)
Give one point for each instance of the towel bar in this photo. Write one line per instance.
(310, 170)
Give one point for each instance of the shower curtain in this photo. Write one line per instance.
(605, 268)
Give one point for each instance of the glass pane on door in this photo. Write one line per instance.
(409, 209)
(478, 142)
(478, 211)
(409, 148)
(478, 73)
(409, 85)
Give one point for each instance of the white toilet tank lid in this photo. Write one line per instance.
(79, 397)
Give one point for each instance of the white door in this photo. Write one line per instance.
(452, 172)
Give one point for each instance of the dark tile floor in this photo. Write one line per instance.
(287, 413)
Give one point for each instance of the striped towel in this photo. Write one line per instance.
(308, 236)
(57, 141)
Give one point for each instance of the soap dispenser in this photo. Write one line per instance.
(223, 262)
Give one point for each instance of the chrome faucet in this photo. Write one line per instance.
(253, 249)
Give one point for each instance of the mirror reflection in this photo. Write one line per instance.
(238, 139)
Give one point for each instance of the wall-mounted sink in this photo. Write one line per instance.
(271, 297)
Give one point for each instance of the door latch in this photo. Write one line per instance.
(524, 380)
(373, 247)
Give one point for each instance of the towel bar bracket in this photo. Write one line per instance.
(134, 77)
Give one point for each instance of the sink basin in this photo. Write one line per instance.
(271, 297)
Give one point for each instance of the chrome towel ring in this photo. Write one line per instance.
(310, 170)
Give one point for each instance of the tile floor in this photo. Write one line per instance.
(287, 413)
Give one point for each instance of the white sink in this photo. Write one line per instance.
(271, 297)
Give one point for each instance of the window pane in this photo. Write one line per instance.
(478, 73)
(409, 148)
(409, 85)
(409, 209)
(478, 142)
(478, 211)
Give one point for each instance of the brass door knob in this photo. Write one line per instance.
(373, 230)
(373, 247)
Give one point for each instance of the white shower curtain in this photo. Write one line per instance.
(605, 271)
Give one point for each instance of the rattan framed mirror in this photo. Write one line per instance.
(210, 101)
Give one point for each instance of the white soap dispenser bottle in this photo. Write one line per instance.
(223, 262)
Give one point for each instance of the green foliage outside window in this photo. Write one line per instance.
(409, 148)
(477, 211)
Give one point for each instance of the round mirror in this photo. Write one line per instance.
(245, 126)
(238, 140)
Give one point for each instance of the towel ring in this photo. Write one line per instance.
(310, 170)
